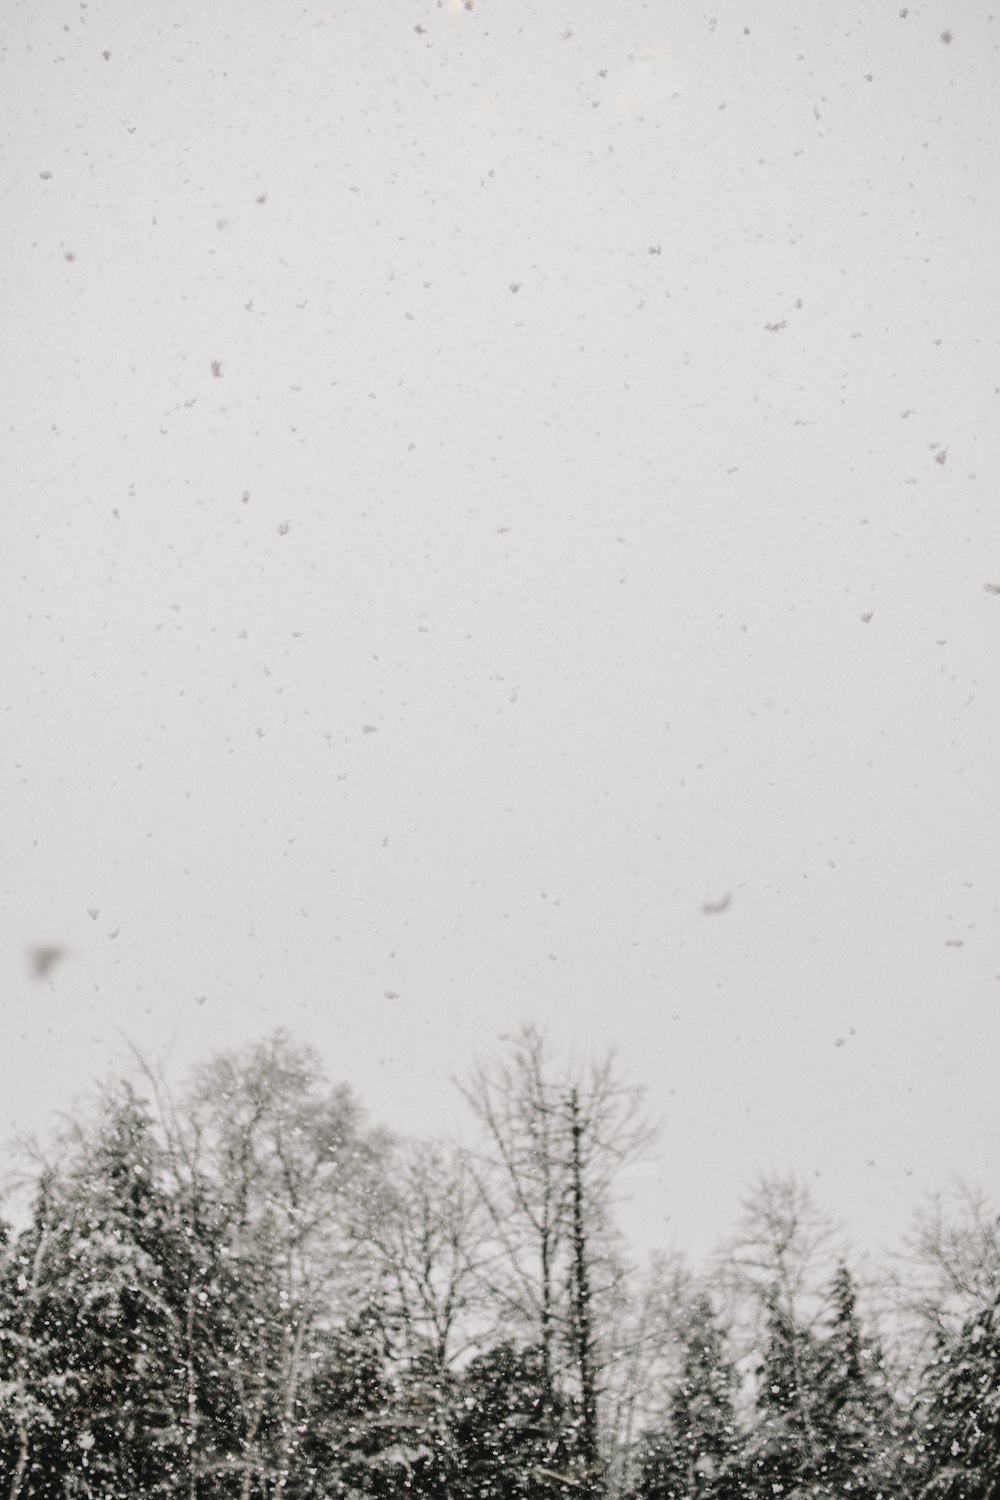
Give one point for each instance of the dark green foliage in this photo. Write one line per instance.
(162, 1308)
(515, 1436)
(785, 1448)
(352, 1424)
(694, 1456)
(854, 1416)
(427, 1398)
(825, 1425)
(91, 1293)
(960, 1412)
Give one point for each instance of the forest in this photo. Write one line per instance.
(239, 1287)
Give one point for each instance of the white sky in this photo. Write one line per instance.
(589, 558)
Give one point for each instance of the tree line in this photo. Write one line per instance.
(243, 1289)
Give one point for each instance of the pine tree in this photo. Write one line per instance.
(826, 1424)
(960, 1412)
(784, 1453)
(516, 1438)
(31, 1386)
(694, 1455)
(703, 1419)
(95, 1335)
(349, 1442)
(855, 1419)
(427, 1393)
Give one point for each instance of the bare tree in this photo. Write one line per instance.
(785, 1247)
(428, 1232)
(519, 1171)
(554, 1137)
(949, 1268)
(648, 1320)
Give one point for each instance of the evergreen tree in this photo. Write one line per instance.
(94, 1334)
(855, 1419)
(960, 1412)
(349, 1443)
(426, 1404)
(516, 1438)
(694, 1455)
(31, 1384)
(825, 1425)
(784, 1452)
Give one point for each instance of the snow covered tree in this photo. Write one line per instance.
(694, 1454)
(377, 1426)
(349, 1443)
(960, 1412)
(516, 1438)
(784, 1452)
(825, 1423)
(784, 1249)
(94, 1329)
(31, 1383)
(856, 1417)
(773, 1277)
(520, 1173)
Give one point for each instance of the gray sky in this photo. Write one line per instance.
(588, 374)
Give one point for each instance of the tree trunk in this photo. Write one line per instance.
(192, 1396)
(251, 1460)
(288, 1437)
(581, 1309)
(545, 1311)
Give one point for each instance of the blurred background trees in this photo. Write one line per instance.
(243, 1289)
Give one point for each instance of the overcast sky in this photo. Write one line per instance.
(479, 486)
